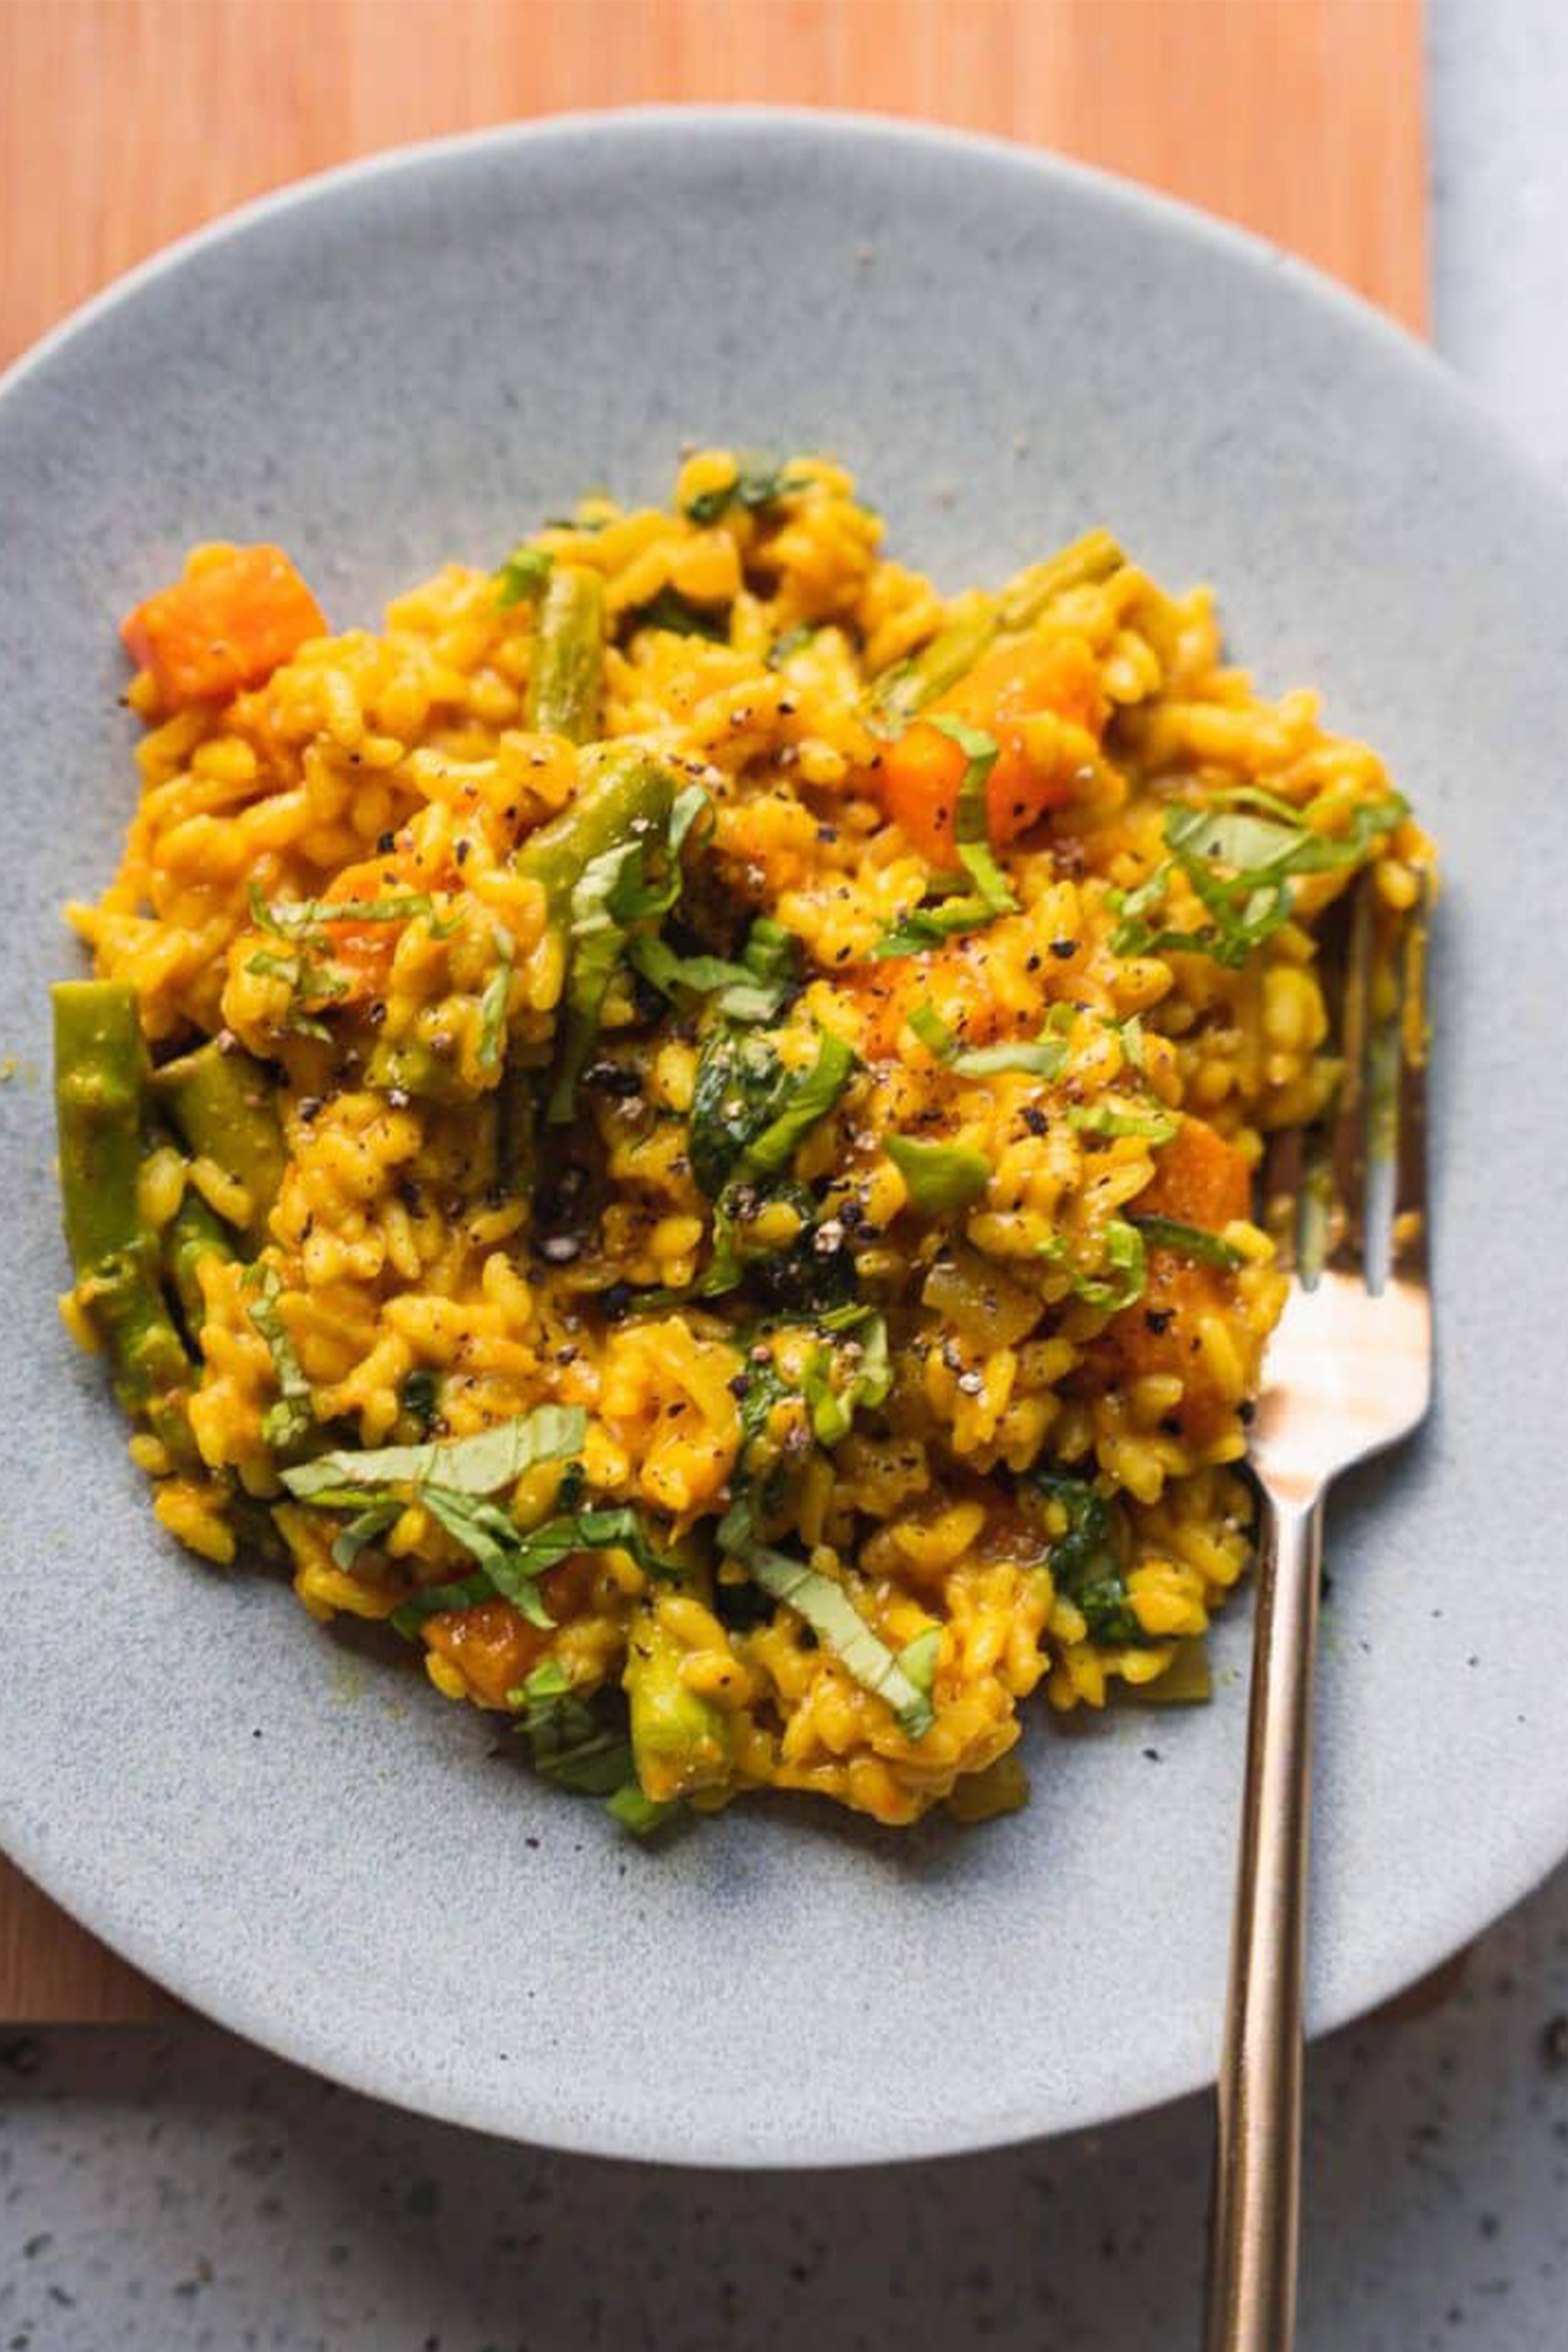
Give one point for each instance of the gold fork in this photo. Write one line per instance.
(1349, 1372)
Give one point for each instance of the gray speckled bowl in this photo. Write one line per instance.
(415, 358)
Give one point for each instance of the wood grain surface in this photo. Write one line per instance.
(126, 123)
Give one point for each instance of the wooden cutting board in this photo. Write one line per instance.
(125, 123)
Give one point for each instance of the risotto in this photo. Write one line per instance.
(679, 1125)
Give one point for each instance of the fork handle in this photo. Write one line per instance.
(1255, 2227)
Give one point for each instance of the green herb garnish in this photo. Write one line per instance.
(677, 614)
(1240, 855)
(1126, 1274)
(641, 1814)
(513, 1563)
(868, 1379)
(289, 1419)
(479, 1464)
(1105, 1119)
(420, 1394)
(1192, 1241)
(1044, 1057)
(492, 1003)
(839, 1626)
(808, 1096)
(938, 1177)
(524, 573)
(761, 481)
(1083, 1560)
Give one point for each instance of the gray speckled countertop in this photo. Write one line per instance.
(163, 2193)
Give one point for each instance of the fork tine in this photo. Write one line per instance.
(1347, 1148)
(1281, 1194)
(1408, 1241)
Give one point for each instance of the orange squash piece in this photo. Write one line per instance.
(234, 615)
(920, 774)
(1199, 1180)
(494, 1645)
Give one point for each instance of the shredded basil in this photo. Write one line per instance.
(1126, 1274)
(479, 1464)
(972, 823)
(303, 919)
(513, 1563)
(658, 963)
(919, 927)
(1042, 1057)
(869, 1377)
(492, 1003)
(1240, 865)
(918, 1659)
(350, 1541)
(790, 642)
(933, 1031)
(839, 1626)
(938, 1177)
(611, 894)
(289, 1419)
(1105, 1119)
(306, 979)
(1192, 1241)
(435, 1600)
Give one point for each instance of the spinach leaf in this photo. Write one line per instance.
(807, 1097)
(571, 1742)
(736, 1091)
(680, 616)
(749, 1114)
(420, 1394)
(639, 1813)
(1083, 1560)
